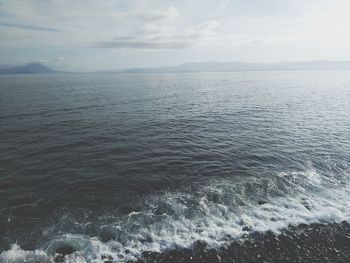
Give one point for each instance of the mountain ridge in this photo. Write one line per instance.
(231, 66)
(30, 68)
(205, 66)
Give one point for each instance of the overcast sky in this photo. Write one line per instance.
(113, 34)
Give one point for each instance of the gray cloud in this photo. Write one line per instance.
(144, 45)
(161, 37)
(57, 59)
(154, 16)
(29, 27)
(89, 32)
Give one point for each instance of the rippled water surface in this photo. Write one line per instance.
(121, 164)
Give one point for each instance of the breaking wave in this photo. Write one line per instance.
(217, 213)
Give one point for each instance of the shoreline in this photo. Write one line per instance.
(304, 243)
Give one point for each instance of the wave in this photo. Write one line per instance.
(218, 213)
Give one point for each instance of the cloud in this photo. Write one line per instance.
(144, 45)
(57, 59)
(154, 15)
(140, 27)
(29, 27)
(198, 29)
(162, 37)
(86, 23)
(31, 61)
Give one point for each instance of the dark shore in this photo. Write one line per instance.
(304, 243)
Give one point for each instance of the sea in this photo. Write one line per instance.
(116, 165)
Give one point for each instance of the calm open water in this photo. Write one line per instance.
(121, 164)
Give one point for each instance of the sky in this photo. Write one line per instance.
(88, 35)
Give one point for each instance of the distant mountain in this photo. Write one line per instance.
(31, 68)
(215, 66)
(208, 66)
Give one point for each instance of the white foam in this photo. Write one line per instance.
(211, 214)
(17, 255)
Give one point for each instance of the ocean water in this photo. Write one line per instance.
(115, 165)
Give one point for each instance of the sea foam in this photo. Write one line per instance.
(222, 211)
